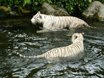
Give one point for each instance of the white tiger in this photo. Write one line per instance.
(55, 23)
(71, 52)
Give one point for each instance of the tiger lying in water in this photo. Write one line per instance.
(71, 52)
(55, 23)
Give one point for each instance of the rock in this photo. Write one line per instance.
(53, 10)
(101, 14)
(95, 11)
(5, 11)
(13, 13)
(17, 11)
(24, 11)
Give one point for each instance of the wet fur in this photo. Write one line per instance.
(71, 52)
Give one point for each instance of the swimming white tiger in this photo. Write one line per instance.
(55, 23)
(71, 52)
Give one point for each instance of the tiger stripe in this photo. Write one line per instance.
(70, 51)
(58, 22)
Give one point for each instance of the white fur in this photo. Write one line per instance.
(73, 51)
(58, 22)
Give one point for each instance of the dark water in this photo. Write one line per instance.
(27, 42)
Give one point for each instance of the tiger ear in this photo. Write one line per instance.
(39, 12)
(82, 33)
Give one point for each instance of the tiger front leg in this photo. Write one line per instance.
(44, 29)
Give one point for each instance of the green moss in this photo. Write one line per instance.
(32, 5)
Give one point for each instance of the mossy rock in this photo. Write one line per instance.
(53, 10)
(95, 11)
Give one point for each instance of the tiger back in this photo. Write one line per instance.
(55, 23)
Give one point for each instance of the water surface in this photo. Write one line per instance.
(26, 41)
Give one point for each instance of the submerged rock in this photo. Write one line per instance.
(95, 11)
(53, 10)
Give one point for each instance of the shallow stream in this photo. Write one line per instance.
(26, 41)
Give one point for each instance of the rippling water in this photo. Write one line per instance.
(27, 42)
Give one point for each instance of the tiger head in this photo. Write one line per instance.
(77, 37)
(37, 18)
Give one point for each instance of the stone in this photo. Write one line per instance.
(53, 10)
(6, 11)
(24, 11)
(95, 11)
(101, 14)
